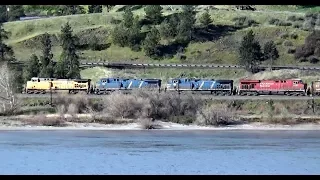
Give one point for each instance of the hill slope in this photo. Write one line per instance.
(217, 44)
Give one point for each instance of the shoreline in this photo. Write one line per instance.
(165, 126)
(22, 122)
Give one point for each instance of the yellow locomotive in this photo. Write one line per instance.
(43, 85)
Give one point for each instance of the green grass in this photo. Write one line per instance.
(25, 36)
(312, 10)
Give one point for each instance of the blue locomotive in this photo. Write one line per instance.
(216, 87)
(105, 85)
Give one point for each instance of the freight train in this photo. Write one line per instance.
(246, 87)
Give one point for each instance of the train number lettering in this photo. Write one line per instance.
(80, 85)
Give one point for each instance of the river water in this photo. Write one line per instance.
(159, 152)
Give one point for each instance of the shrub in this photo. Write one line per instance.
(311, 15)
(165, 105)
(295, 18)
(284, 35)
(147, 123)
(297, 25)
(244, 21)
(42, 120)
(310, 47)
(119, 105)
(278, 22)
(78, 103)
(287, 43)
(283, 23)
(317, 23)
(291, 18)
(291, 50)
(313, 59)
(303, 52)
(293, 36)
(308, 24)
(216, 116)
(273, 21)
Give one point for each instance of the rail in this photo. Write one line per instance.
(120, 65)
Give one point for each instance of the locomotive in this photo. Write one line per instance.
(106, 85)
(43, 85)
(247, 87)
(268, 87)
(216, 87)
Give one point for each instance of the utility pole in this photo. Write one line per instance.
(313, 106)
(51, 94)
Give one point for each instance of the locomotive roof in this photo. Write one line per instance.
(152, 79)
(223, 80)
(252, 80)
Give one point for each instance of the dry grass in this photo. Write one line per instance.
(42, 120)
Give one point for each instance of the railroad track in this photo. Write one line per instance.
(202, 96)
(133, 65)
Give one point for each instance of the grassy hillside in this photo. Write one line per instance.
(219, 44)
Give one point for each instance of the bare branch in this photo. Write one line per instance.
(8, 100)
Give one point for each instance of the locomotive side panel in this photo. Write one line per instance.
(180, 84)
(108, 84)
(224, 85)
(288, 87)
(151, 84)
(37, 87)
(315, 88)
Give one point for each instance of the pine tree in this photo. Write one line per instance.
(119, 35)
(134, 35)
(3, 14)
(70, 9)
(151, 43)
(16, 11)
(6, 52)
(95, 8)
(47, 69)
(168, 28)
(109, 7)
(18, 78)
(185, 27)
(68, 65)
(153, 13)
(270, 52)
(205, 19)
(250, 52)
(33, 68)
(128, 18)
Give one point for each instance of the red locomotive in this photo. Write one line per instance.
(285, 86)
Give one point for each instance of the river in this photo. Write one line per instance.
(160, 152)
